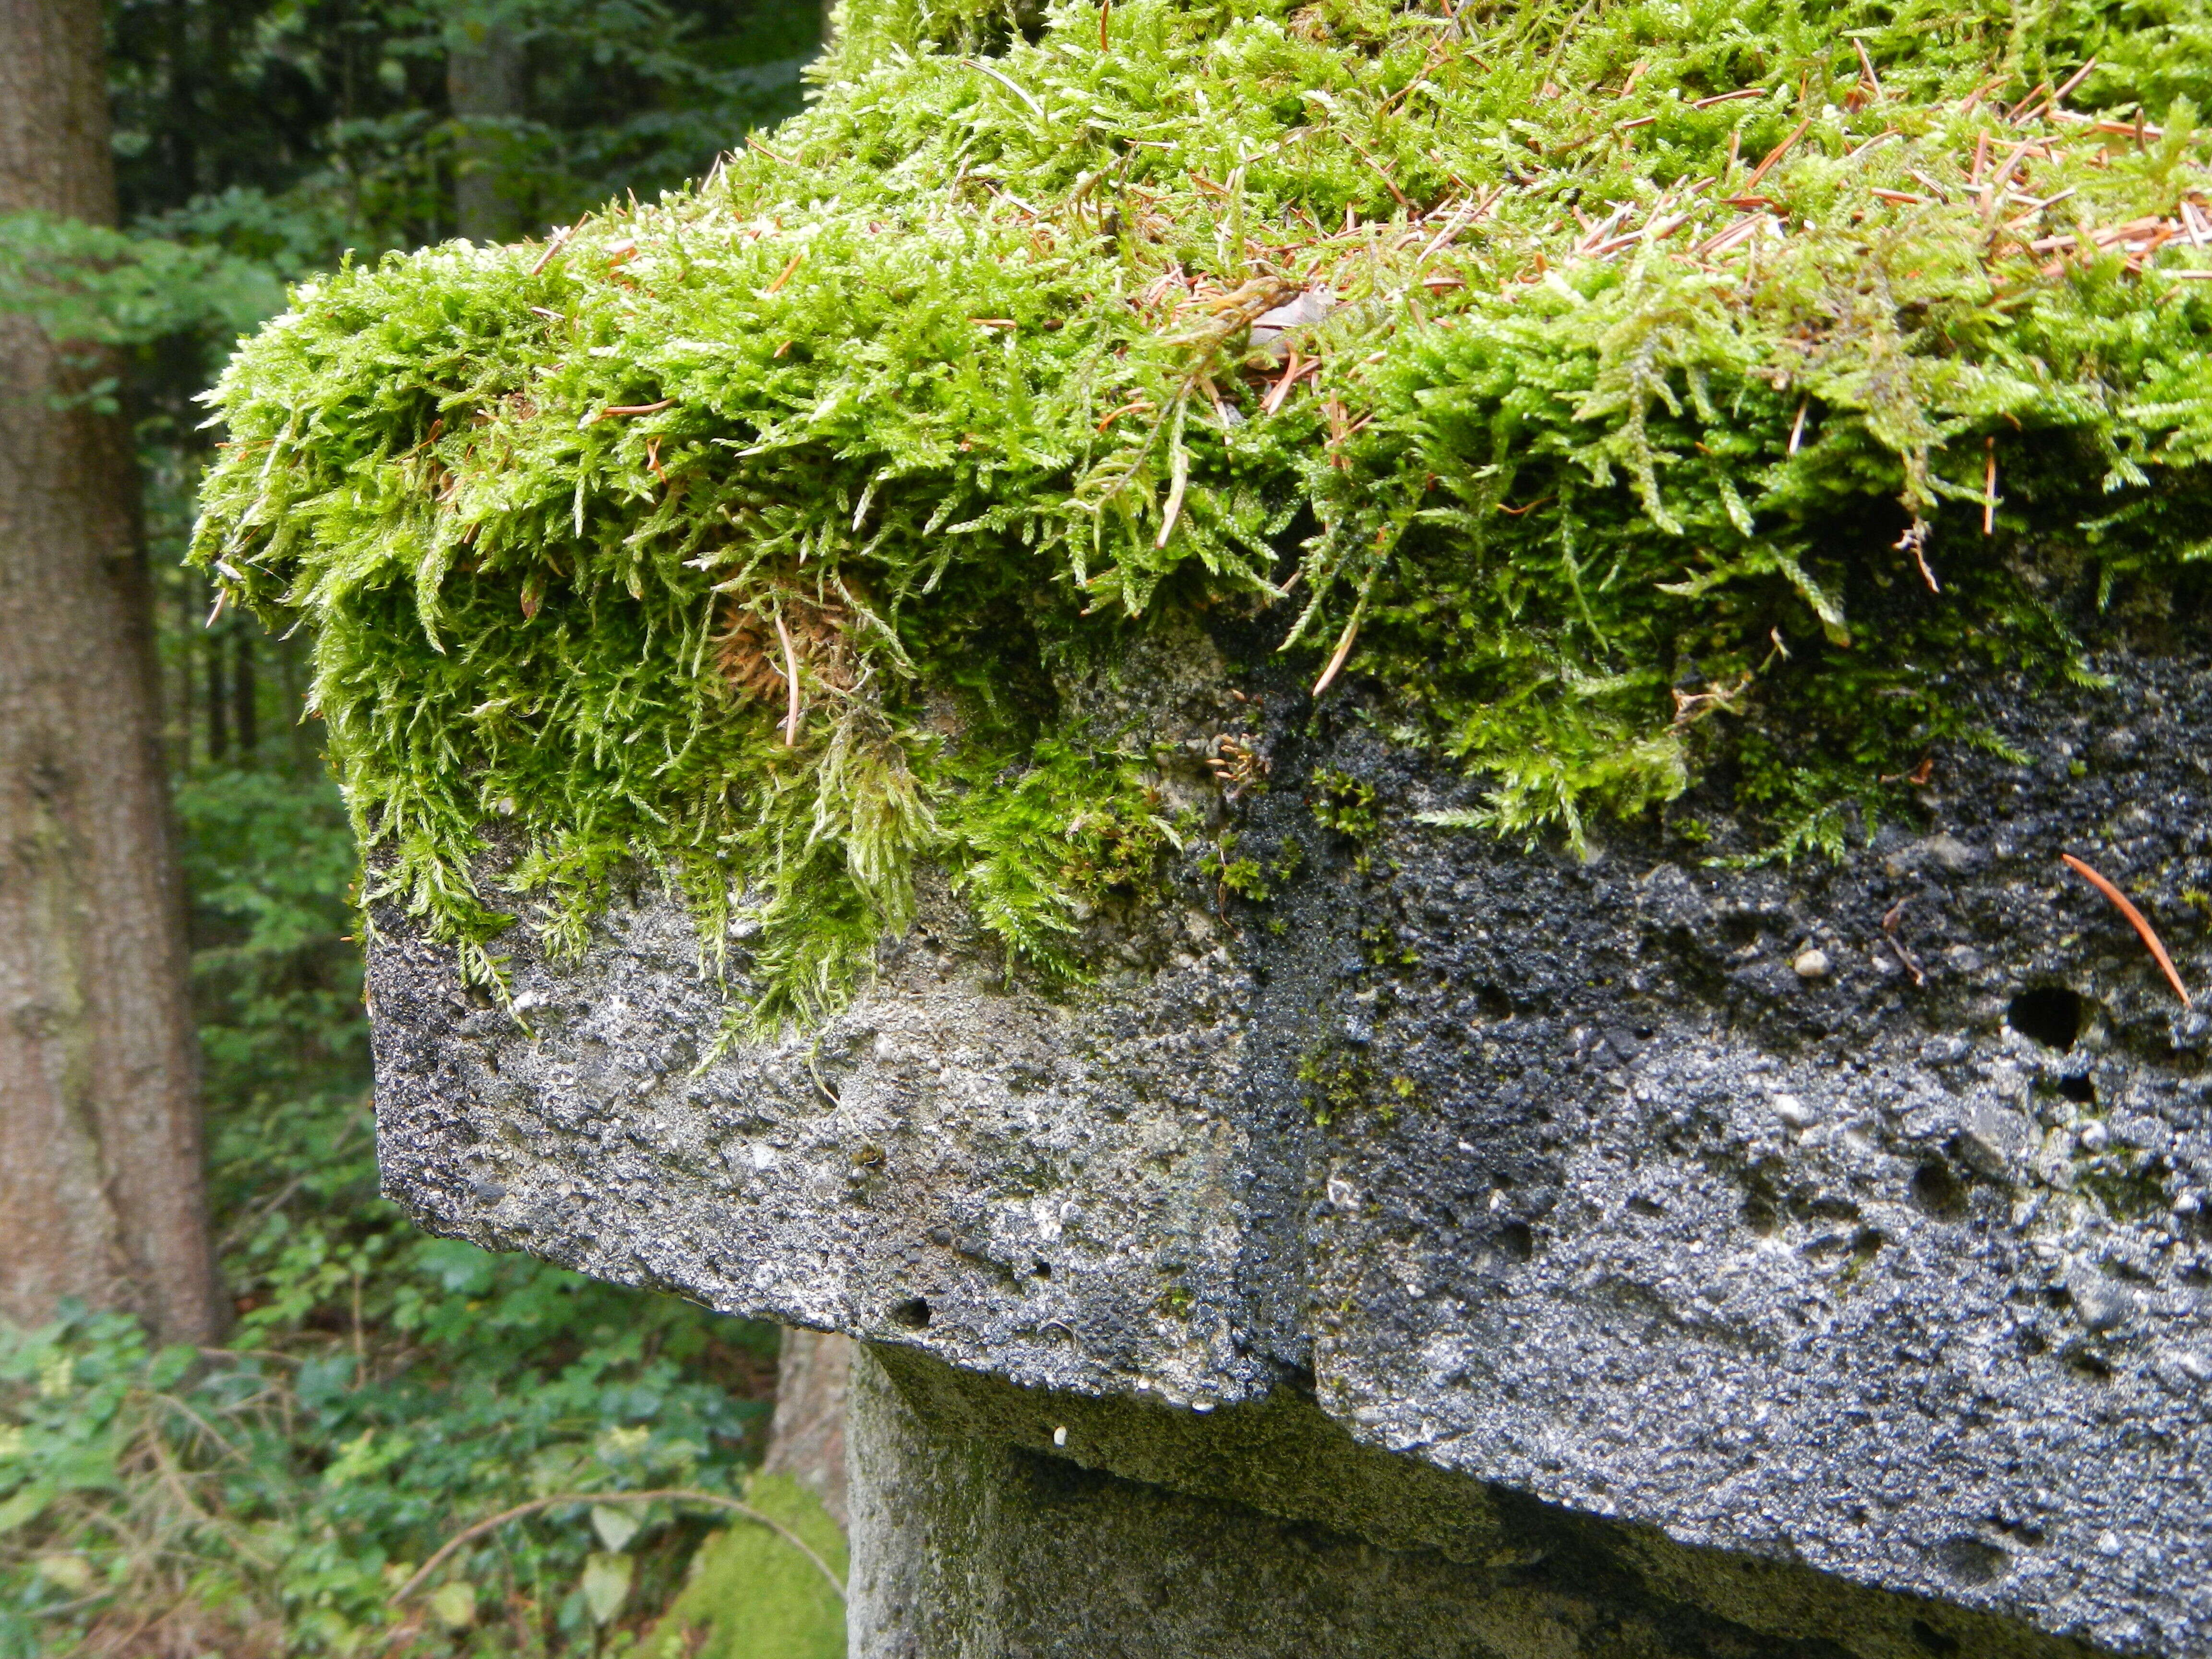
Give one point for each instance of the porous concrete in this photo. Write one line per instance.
(1847, 1216)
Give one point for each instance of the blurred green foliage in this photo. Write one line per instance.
(381, 1389)
(288, 129)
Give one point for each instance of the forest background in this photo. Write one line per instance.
(379, 1388)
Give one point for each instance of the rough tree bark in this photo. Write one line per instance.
(806, 1440)
(101, 1194)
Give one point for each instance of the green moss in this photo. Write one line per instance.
(1247, 876)
(2130, 1185)
(752, 1595)
(1380, 947)
(1340, 1081)
(1344, 804)
(923, 393)
(1241, 877)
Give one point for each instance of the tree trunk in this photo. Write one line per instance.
(218, 699)
(806, 1440)
(246, 697)
(483, 88)
(101, 1194)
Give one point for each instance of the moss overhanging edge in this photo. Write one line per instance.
(1657, 379)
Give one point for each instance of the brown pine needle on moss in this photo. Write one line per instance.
(1915, 542)
(1774, 155)
(790, 679)
(2136, 919)
(553, 245)
(609, 413)
(797, 259)
(1866, 68)
(1337, 658)
(2072, 81)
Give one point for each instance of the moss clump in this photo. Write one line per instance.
(1338, 1081)
(1665, 362)
(1346, 804)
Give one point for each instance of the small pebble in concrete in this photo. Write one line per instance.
(2100, 1302)
(1812, 964)
(1060, 1435)
(1791, 1110)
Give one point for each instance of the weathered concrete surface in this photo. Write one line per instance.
(1898, 1270)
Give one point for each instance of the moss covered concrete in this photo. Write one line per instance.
(1623, 389)
(1877, 1270)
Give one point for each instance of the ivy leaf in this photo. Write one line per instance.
(606, 1586)
(26, 1505)
(616, 1527)
(455, 1604)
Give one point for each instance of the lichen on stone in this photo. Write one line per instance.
(1603, 389)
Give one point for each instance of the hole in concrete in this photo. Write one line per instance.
(2048, 1014)
(1866, 1245)
(1971, 1561)
(2079, 1088)
(1516, 1241)
(1044, 1270)
(913, 1313)
(1491, 1003)
(1931, 1640)
(2091, 1367)
(1938, 1193)
(1762, 1202)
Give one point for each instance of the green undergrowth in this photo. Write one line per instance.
(1682, 379)
(381, 1390)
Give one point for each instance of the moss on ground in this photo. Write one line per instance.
(1606, 386)
(752, 1595)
